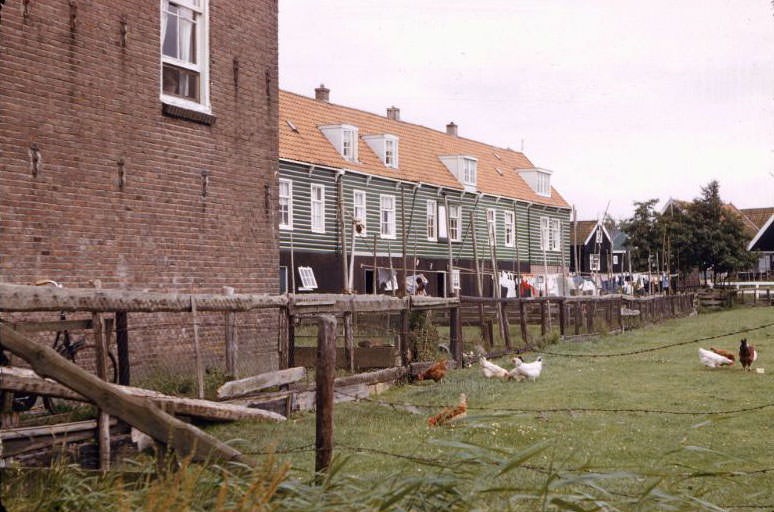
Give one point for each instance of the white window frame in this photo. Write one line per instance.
(289, 202)
(594, 262)
(455, 278)
(391, 155)
(544, 184)
(202, 10)
(509, 224)
(308, 281)
(556, 235)
(432, 220)
(458, 217)
(443, 233)
(391, 218)
(317, 228)
(491, 226)
(360, 205)
(615, 259)
(469, 171)
(349, 134)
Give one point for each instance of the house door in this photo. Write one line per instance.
(369, 281)
(441, 280)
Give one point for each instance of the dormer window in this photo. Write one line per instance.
(464, 168)
(343, 137)
(386, 148)
(538, 179)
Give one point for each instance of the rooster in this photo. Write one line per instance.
(450, 413)
(529, 370)
(713, 359)
(747, 354)
(490, 370)
(724, 353)
(436, 372)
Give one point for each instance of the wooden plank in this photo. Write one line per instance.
(349, 341)
(197, 351)
(246, 386)
(230, 336)
(25, 380)
(15, 297)
(59, 325)
(103, 420)
(324, 393)
(10, 434)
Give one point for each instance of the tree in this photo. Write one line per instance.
(644, 238)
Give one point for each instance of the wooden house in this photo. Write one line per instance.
(341, 168)
(592, 246)
(763, 240)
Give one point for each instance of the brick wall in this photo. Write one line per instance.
(87, 102)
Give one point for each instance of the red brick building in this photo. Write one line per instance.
(138, 143)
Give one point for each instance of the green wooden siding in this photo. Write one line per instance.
(527, 219)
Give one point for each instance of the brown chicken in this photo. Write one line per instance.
(724, 353)
(450, 413)
(436, 372)
(747, 354)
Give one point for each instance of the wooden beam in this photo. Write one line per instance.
(140, 413)
(25, 380)
(60, 325)
(231, 337)
(326, 373)
(197, 351)
(15, 297)
(246, 386)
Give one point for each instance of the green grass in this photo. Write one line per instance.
(656, 447)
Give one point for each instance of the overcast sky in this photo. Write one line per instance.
(624, 100)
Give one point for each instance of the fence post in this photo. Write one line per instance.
(231, 337)
(609, 313)
(768, 295)
(506, 328)
(591, 309)
(197, 352)
(455, 332)
(349, 340)
(404, 336)
(122, 347)
(543, 323)
(291, 339)
(618, 306)
(103, 421)
(578, 315)
(523, 320)
(325, 374)
(562, 317)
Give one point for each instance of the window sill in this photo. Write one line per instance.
(186, 113)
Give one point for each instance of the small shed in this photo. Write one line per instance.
(592, 245)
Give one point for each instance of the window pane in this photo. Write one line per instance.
(170, 33)
(180, 82)
(187, 46)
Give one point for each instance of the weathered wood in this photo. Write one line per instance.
(387, 375)
(578, 320)
(506, 327)
(404, 349)
(140, 413)
(365, 357)
(15, 297)
(58, 325)
(10, 434)
(122, 347)
(455, 338)
(479, 282)
(197, 352)
(291, 340)
(562, 316)
(248, 385)
(103, 420)
(324, 393)
(349, 341)
(543, 321)
(523, 321)
(590, 313)
(25, 380)
(231, 337)
(338, 304)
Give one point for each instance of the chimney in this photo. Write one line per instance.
(322, 93)
(393, 113)
(451, 129)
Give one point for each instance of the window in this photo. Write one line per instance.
(594, 262)
(469, 171)
(359, 208)
(387, 215)
(491, 226)
(543, 184)
(285, 204)
(348, 150)
(550, 235)
(432, 220)
(308, 282)
(185, 54)
(510, 228)
(455, 275)
(318, 209)
(283, 279)
(390, 155)
(442, 232)
(615, 259)
(455, 221)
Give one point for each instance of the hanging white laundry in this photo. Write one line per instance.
(509, 283)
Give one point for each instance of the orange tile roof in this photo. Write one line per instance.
(758, 216)
(418, 149)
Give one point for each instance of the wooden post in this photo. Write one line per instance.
(405, 351)
(292, 265)
(516, 246)
(402, 284)
(562, 317)
(479, 283)
(374, 280)
(496, 278)
(392, 270)
(523, 320)
(590, 312)
(291, 339)
(122, 347)
(342, 231)
(103, 420)
(449, 279)
(578, 317)
(231, 338)
(349, 341)
(768, 295)
(324, 392)
(506, 328)
(619, 305)
(197, 352)
(543, 322)
(455, 334)
(609, 314)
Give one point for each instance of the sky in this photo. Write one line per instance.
(624, 100)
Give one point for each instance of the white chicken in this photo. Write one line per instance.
(713, 360)
(490, 370)
(529, 370)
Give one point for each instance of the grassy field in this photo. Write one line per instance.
(610, 456)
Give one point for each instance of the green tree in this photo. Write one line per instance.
(643, 232)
